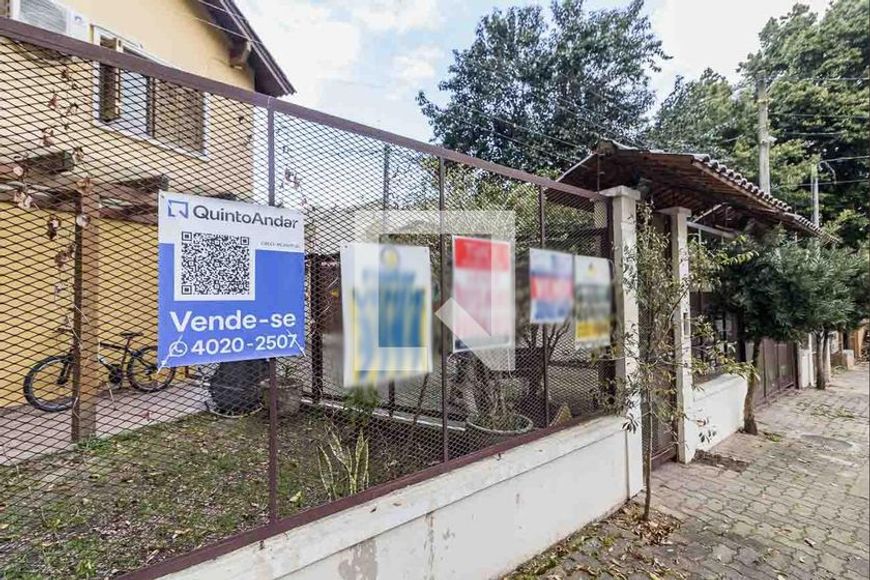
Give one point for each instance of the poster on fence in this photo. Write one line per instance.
(231, 281)
(592, 302)
(386, 305)
(551, 286)
(482, 316)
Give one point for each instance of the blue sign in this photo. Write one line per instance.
(231, 281)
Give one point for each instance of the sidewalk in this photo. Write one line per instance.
(26, 432)
(793, 503)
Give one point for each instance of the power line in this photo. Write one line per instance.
(524, 128)
(844, 158)
(522, 143)
(518, 142)
(823, 79)
(571, 144)
(622, 137)
(812, 115)
(802, 134)
(867, 180)
(589, 122)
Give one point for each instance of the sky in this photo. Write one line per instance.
(366, 60)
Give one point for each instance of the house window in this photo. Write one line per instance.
(148, 107)
(724, 341)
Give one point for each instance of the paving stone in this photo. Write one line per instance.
(788, 514)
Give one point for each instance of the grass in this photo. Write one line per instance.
(116, 504)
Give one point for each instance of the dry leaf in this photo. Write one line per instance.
(60, 260)
(52, 226)
(810, 543)
(47, 135)
(26, 202)
(84, 185)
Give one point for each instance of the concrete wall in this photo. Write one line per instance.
(719, 402)
(478, 521)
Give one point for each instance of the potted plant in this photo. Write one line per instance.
(495, 417)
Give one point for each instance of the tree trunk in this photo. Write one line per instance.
(749, 425)
(647, 462)
(820, 362)
(827, 354)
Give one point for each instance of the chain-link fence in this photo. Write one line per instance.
(110, 461)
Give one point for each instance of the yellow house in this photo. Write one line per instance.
(63, 119)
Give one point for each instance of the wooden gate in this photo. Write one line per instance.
(777, 369)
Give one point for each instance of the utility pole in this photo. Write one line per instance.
(814, 182)
(763, 135)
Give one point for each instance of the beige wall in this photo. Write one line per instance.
(33, 312)
(178, 32)
(170, 31)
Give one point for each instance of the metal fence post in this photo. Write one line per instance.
(273, 374)
(443, 283)
(545, 355)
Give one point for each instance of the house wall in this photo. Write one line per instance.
(478, 521)
(178, 32)
(173, 32)
(128, 290)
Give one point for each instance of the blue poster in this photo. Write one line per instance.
(551, 286)
(231, 281)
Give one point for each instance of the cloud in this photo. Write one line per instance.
(417, 64)
(397, 15)
(312, 43)
(710, 33)
(411, 69)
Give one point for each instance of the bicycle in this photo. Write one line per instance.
(55, 371)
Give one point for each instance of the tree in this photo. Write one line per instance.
(752, 286)
(648, 273)
(817, 70)
(533, 94)
(830, 287)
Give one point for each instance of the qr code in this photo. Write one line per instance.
(215, 265)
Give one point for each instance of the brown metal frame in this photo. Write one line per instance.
(548, 190)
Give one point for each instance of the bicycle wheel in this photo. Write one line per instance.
(143, 373)
(48, 385)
